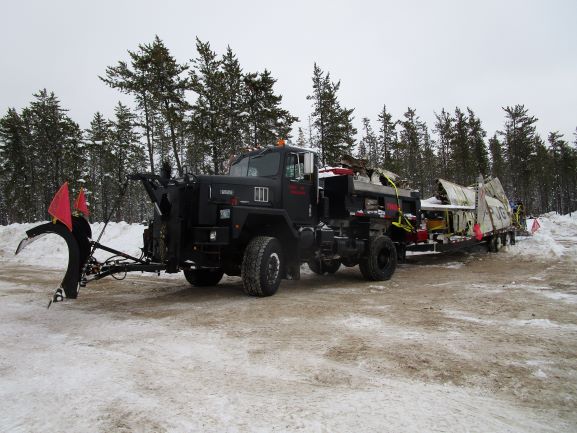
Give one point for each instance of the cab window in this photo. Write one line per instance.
(295, 166)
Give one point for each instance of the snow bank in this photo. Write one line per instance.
(556, 237)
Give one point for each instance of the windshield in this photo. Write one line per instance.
(256, 165)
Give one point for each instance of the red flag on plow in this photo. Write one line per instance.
(536, 226)
(80, 203)
(60, 207)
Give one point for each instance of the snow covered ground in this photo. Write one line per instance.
(460, 343)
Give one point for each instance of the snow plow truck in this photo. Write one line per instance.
(274, 211)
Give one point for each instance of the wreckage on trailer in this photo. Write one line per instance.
(459, 216)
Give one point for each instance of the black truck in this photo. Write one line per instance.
(273, 212)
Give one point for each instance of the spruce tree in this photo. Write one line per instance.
(478, 148)
(135, 80)
(410, 146)
(518, 141)
(497, 159)
(460, 161)
(98, 168)
(444, 129)
(333, 131)
(268, 121)
(15, 180)
(207, 81)
(387, 139)
(368, 146)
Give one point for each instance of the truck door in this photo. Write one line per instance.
(297, 189)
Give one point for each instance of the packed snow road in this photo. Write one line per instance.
(472, 341)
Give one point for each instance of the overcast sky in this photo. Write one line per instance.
(422, 54)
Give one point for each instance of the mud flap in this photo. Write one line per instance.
(78, 242)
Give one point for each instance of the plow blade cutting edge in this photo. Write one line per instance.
(78, 242)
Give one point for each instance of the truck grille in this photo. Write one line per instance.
(261, 193)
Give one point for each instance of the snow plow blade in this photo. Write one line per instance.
(78, 242)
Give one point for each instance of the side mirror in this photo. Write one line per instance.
(309, 163)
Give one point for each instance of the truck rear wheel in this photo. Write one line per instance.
(203, 277)
(381, 261)
(322, 267)
(262, 266)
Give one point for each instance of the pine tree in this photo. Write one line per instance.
(233, 107)
(410, 146)
(268, 121)
(135, 80)
(56, 140)
(368, 146)
(15, 180)
(127, 157)
(206, 80)
(333, 129)
(518, 141)
(98, 168)
(429, 163)
(497, 160)
(444, 129)
(460, 161)
(544, 192)
(563, 171)
(478, 148)
(301, 140)
(387, 138)
(167, 88)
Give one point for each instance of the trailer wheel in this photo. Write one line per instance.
(495, 243)
(262, 266)
(381, 260)
(322, 267)
(203, 277)
(512, 237)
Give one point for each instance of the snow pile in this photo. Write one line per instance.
(556, 237)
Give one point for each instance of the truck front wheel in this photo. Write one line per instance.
(381, 261)
(262, 266)
(203, 277)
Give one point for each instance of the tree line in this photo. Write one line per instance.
(193, 117)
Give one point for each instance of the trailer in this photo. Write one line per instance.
(458, 217)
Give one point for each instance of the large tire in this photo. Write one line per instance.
(495, 243)
(381, 261)
(262, 266)
(322, 267)
(203, 277)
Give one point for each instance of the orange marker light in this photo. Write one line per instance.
(280, 142)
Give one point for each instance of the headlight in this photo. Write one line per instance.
(224, 214)
(212, 235)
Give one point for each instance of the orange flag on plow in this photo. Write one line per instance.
(80, 203)
(60, 207)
